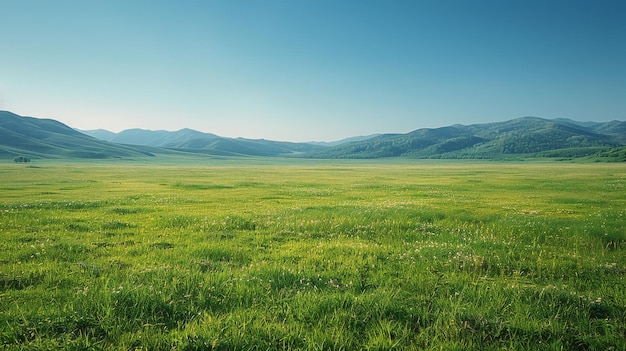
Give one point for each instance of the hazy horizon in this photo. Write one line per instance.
(311, 70)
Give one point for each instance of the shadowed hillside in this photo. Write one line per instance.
(47, 138)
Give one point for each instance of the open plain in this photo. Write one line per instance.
(317, 255)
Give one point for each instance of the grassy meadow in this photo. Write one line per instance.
(313, 255)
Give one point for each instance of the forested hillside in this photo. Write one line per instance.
(527, 136)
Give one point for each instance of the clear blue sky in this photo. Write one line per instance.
(302, 70)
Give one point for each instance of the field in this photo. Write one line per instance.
(313, 255)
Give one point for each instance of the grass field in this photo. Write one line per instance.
(316, 256)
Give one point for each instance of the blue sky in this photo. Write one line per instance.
(303, 70)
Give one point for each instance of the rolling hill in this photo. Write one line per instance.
(518, 138)
(521, 137)
(343, 141)
(47, 138)
(189, 140)
(156, 138)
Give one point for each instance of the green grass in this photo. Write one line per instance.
(313, 255)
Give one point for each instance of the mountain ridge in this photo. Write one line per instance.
(516, 138)
(524, 136)
(191, 140)
(48, 138)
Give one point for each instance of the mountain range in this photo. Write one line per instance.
(189, 140)
(518, 138)
(526, 136)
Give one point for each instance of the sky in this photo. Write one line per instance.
(311, 70)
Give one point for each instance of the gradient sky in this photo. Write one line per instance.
(302, 70)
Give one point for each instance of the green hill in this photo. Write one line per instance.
(189, 140)
(614, 128)
(521, 137)
(518, 138)
(160, 138)
(47, 138)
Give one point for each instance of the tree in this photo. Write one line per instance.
(21, 159)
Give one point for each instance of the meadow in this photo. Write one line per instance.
(313, 255)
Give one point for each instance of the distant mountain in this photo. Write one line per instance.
(161, 138)
(521, 137)
(47, 138)
(101, 134)
(587, 125)
(616, 129)
(342, 141)
(189, 140)
(518, 138)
